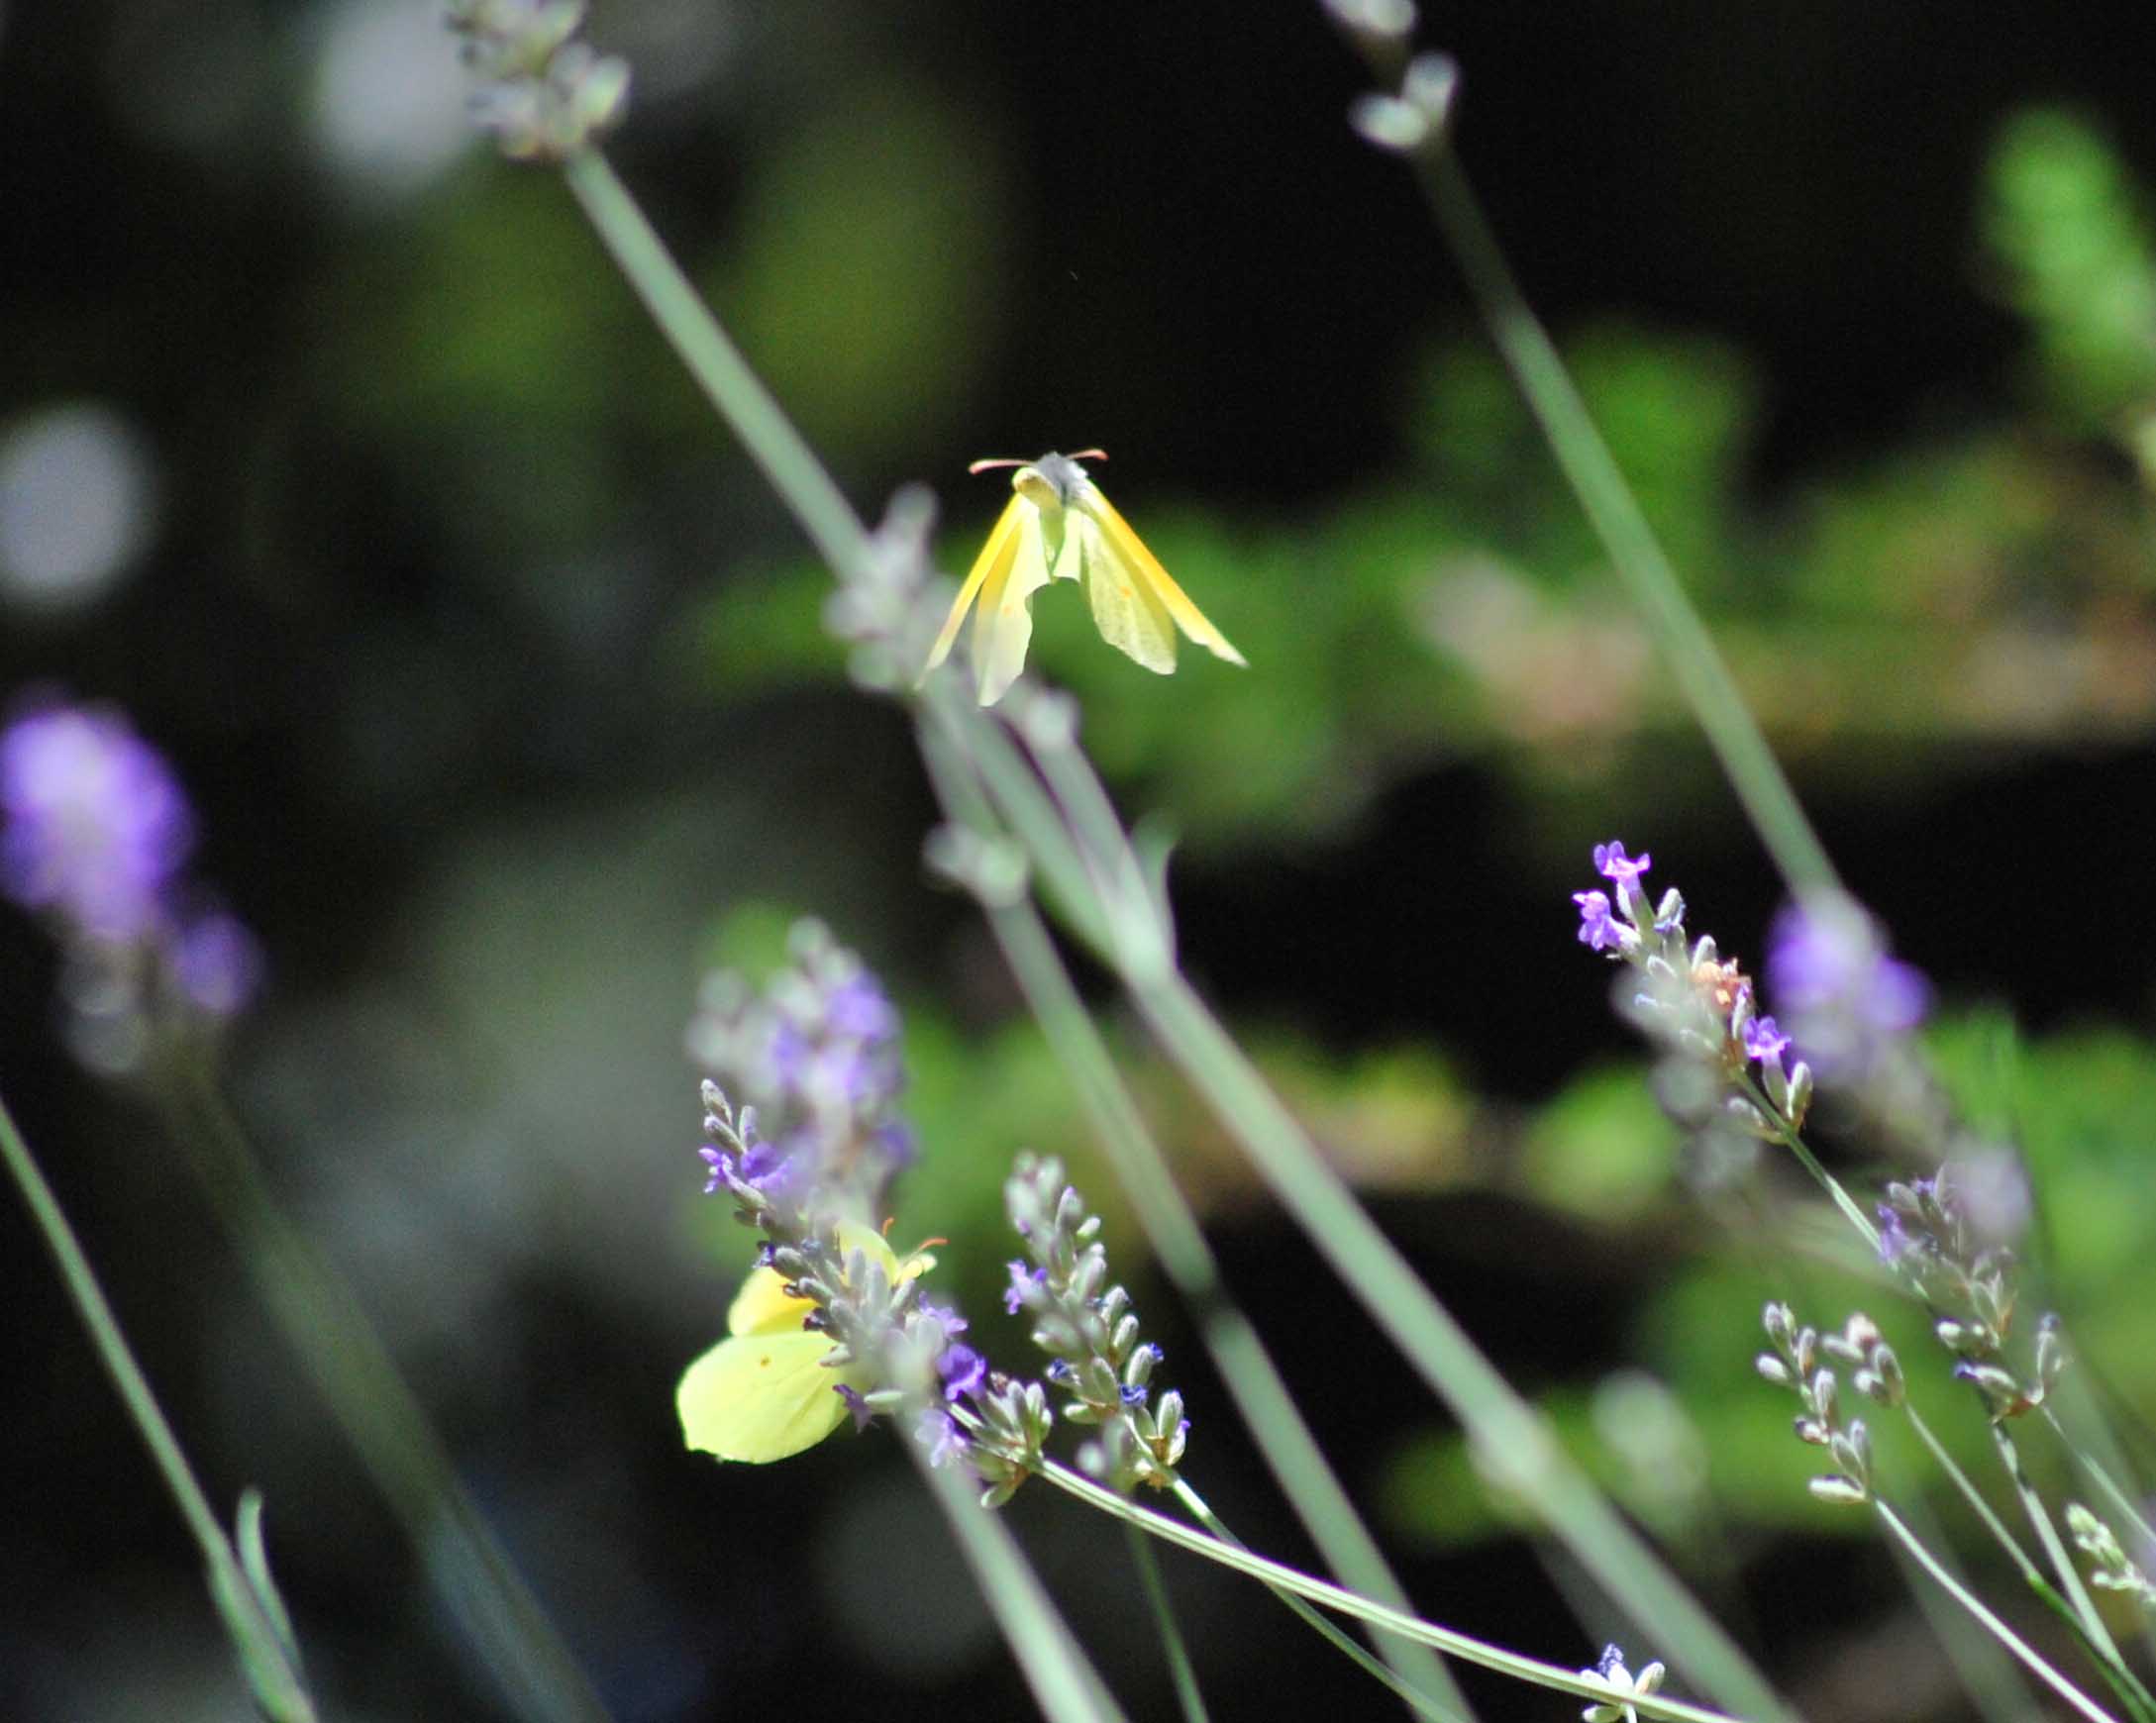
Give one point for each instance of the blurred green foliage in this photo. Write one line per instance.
(857, 269)
(2069, 229)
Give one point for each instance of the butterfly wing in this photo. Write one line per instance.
(1004, 628)
(763, 1306)
(760, 1397)
(1131, 553)
(1127, 610)
(994, 559)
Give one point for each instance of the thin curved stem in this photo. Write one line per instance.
(1998, 1630)
(1641, 563)
(1182, 1675)
(279, 1685)
(389, 1431)
(1335, 1597)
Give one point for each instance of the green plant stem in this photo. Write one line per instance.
(1792, 1140)
(1417, 1699)
(2081, 1607)
(279, 1685)
(2120, 1503)
(2074, 1607)
(388, 1429)
(1973, 1496)
(1273, 1573)
(716, 362)
(1025, 807)
(1998, 1630)
(1065, 1684)
(1269, 1411)
(2047, 1533)
(1640, 561)
(1180, 1673)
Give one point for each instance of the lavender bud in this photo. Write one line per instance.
(1383, 20)
(1432, 84)
(1389, 123)
(2051, 1354)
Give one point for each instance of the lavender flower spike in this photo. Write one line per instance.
(1845, 999)
(94, 836)
(1697, 1004)
(97, 829)
(831, 1325)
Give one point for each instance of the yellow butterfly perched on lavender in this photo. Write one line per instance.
(1058, 525)
(769, 1389)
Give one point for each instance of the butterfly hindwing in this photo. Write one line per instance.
(1131, 552)
(759, 1397)
(1004, 628)
(1130, 616)
(995, 557)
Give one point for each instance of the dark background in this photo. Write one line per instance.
(430, 607)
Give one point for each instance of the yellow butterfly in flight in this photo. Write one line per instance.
(1058, 525)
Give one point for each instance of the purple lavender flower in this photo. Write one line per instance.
(1843, 996)
(217, 963)
(898, 1145)
(1994, 1189)
(939, 1432)
(1896, 1242)
(857, 1010)
(962, 1371)
(95, 835)
(788, 1054)
(1597, 931)
(752, 1165)
(1611, 862)
(816, 1053)
(1615, 928)
(1025, 1285)
(1764, 1039)
(97, 829)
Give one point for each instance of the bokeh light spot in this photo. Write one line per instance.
(78, 497)
(389, 97)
